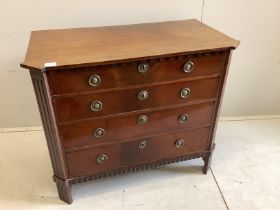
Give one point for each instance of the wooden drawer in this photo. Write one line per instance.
(121, 101)
(77, 80)
(130, 127)
(130, 153)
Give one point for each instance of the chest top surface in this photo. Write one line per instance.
(80, 47)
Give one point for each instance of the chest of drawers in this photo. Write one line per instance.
(118, 99)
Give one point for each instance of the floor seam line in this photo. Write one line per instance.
(225, 202)
(20, 131)
(248, 119)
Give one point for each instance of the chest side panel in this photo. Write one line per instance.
(55, 147)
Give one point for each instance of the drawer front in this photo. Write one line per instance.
(104, 131)
(114, 102)
(103, 77)
(106, 157)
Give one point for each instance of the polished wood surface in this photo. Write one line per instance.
(128, 153)
(115, 102)
(110, 44)
(221, 88)
(56, 149)
(127, 127)
(113, 53)
(122, 75)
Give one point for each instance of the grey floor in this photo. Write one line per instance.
(245, 174)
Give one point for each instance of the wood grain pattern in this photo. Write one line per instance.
(224, 73)
(138, 167)
(123, 75)
(55, 147)
(114, 53)
(129, 153)
(124, 128)
(122, 101)
(55, 151)
(105, 45)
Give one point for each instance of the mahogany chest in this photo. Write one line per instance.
(117, 99)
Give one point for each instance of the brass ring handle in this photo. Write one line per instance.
(143, 95)
(183, 118)
(188, 67)
(185, 92)
(94, 80)
(99, 132)
(142, 119)
(102, 158)
(143, 67)
(179, 143)
(96, 106)
(142, 144)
